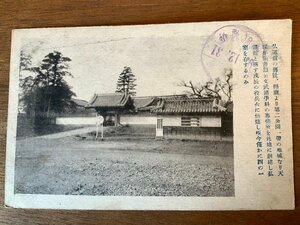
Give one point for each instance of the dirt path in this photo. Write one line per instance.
(69, 133)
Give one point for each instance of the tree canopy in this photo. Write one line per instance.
(47, 91)
(220, 88)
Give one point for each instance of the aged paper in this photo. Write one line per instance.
(190, 116)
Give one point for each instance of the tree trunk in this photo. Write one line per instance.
(49, 104)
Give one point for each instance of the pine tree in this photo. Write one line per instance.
(48, 91)
(126, 82)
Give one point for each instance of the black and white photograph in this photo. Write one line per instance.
(186, 116)
(131, 116)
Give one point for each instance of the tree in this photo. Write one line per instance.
(25, 65)
(126, 82)
(48, 91)
(25, 60)
(220, 88)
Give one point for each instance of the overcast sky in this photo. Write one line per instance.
(159, 63)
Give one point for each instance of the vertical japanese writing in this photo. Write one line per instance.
(267, 115)
(267, 109)
(258, 130)
(277, 125)
(245, 63)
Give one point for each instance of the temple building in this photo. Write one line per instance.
(172, 116)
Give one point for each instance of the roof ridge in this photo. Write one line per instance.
(190, 99)
(157, 96)
(147, 104)
(114, 93)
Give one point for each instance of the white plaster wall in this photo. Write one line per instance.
(137, 120)
(76, 120)
(205, 121)
(171, 120)
(211, 121)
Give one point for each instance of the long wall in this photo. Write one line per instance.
(205, 121)
(168, 120)
(124, 119)
(209, 128)
(196, 133)
(76, 120)
(137, 120)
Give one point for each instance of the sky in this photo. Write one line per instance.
(158, 63)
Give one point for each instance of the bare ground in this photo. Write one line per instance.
(146, 167)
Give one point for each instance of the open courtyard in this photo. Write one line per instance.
(71, 165)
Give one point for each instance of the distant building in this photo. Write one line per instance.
(174, 116)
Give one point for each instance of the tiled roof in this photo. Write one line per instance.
(140, 102)
(80, 102)
(108, 100)
(159, 104)
(155, 101)
(191, 105)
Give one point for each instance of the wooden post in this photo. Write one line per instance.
(102, 131)
(97, 127)
(116, 119)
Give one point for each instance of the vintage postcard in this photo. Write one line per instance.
(189, 116)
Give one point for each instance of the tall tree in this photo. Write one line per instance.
(126, 82)
(48, 91)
